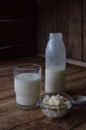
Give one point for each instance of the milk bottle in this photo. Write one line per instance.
(55, 64)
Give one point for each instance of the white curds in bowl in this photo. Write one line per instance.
(57, 110)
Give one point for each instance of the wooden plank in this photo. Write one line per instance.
(17, 117)
(75, 30)
(62, 20)
(71, 69)
(50, 8)
(66, 123)
(7, 85)
(81, 127)
(11, 63)
(74, 76)
(76, 62)
(46, 23)
(77, 86)
(84, 30)
(9, 93)
(16, 35)
(41, 27)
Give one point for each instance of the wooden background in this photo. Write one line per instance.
(68, 17)
(25, 27)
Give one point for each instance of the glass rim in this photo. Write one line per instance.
(20, 66)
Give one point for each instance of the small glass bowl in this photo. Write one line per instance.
(55, 111)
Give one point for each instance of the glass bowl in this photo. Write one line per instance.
(56, 111)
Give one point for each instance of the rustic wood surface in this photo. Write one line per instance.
(13, 118)
(84, 30)
(41, 27)
(62, 17)
(75, 29)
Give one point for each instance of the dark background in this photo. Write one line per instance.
(17, 29)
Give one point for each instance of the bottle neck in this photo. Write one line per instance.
(55, 36)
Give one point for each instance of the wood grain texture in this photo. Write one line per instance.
(62, 21)
(14, 118)
(82, 127)
(76, 62)
(84, 30)
(46, 23)
(50, 8)
(41, 27)
(17, 36)
(75, 30)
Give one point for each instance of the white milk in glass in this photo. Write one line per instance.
(27, 88)
(55, 79)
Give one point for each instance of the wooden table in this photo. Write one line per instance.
(13, 118)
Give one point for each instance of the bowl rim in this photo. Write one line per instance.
(64, 106)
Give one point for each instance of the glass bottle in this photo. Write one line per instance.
(55, 64)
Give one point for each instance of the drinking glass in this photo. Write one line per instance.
(27, 80)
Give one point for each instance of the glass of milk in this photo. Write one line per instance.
(27, 80)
